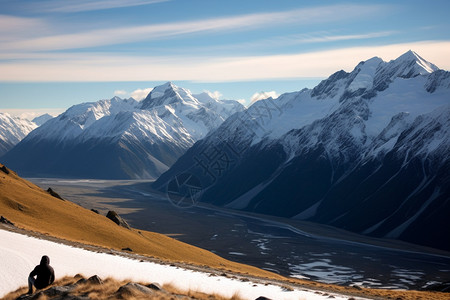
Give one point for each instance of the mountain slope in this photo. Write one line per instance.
(366, 151)
(12, 131)
(119, 139)
(41, 119)
(31, 208)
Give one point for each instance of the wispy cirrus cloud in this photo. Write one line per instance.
(283, 41)
(13, 28)
(106, 67)
(126, 34)
(75, 6)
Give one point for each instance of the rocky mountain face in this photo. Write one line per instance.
(367, 151)
(12, 131)
(120, 138)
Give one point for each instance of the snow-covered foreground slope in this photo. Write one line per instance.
(21, 253)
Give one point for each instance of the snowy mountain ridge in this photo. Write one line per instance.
(12, 131)
(121, 138)
(366, 151)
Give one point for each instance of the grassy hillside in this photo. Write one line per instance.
(29, 207)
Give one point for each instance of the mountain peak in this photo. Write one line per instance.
(413, 59)
(165, 94)
(160, 90)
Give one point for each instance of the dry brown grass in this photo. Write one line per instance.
(109, 290)
(33, 209)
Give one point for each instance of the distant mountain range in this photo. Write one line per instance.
(367, 151)
(120, 138)
(41, 119)
(12, 131)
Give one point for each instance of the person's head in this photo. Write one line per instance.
(45, 260)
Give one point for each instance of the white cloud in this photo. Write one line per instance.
(120, 93)
(19, 28)
(215, 95)
(103, 67)
(120, 35)
(72, 6)
(30, 114)
(262, 96)
(140, 94)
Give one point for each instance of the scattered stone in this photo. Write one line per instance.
(53, 193)
(81, 281)
(58, 291)
(92, 280)
(113, 216)
(6, 221)
(287, 288)
(5, 170)
(127, 249)
(96, 211)
(95, 280)
(134, 289)
(262, 298)
(154, 286)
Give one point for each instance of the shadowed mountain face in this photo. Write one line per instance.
(366, 151)
(120, 139)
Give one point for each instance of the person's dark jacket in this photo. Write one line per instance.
(44, 272)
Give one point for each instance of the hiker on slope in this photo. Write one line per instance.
(44, 275)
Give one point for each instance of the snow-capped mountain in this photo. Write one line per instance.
(366, 151)
(12, 131)
(41, 119)
(119, 138)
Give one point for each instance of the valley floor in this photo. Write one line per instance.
(290, 248)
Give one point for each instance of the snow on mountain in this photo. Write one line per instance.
(41, 119)
(366, 151)
(12, 131)
(120, 138)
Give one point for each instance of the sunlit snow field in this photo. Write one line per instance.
(19, 254)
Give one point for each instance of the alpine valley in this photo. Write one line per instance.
(367, 151)
(120, 138)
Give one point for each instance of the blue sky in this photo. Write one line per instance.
(54, 54)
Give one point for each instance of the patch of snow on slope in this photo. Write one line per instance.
(364, 79)
(403, 95)
(22, 253)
